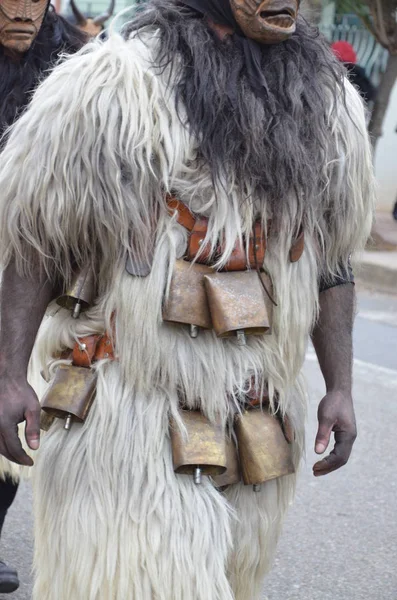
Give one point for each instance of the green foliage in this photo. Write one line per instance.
(356, 7)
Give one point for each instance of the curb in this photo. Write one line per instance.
(378, 271)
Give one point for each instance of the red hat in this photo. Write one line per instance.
(344, 52)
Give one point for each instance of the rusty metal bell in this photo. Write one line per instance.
(238, 304)
(70, 394)
(232, 474)
(81, 294)
(263, 449)
(46, 420)
(187, 301)
(200, 449)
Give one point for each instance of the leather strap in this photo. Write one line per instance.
(92, 348)
(104, 349)
(238, 260)
(196, 240)
(198, 230)
(197, 226)
(184, 216)
(257, 246)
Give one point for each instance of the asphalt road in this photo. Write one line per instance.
(340, 538)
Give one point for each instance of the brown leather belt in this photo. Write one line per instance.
(92, 348)
(95, 347)
(89, 349)
(198, 226)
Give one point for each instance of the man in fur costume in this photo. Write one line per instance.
(31, 39)
(217, 129)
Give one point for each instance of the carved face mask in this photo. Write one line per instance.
(266, 21)
(20, 22)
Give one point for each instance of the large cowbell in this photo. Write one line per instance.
(70, 394)
(199, 448)
(238, 303)
(187, 301)
(264, 452)
(232, 474)
(81, 293)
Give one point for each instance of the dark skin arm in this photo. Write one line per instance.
(23, 304)
(332, 340)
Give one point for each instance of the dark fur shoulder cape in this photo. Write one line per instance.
(274, 136)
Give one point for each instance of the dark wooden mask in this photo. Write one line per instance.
(20, 22)
(266, 21)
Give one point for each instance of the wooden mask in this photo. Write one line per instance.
(20, 22)
(266, 21)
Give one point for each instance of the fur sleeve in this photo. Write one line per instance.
(349, 196)
(85, 165)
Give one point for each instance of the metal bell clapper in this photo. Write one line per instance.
(68, 422)
(197, 475)
(199, 448)
(77, 310)
(241, 339)
(81, 293)
(194, 331)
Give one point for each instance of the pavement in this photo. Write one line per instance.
(377, 267)
(340, 536)
(339, 540)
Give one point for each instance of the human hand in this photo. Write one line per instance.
(335, 414)
(18, 403)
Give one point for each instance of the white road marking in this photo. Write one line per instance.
(370, 371)
(388, 318)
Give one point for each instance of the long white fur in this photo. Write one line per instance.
(121, 524)
(112, 519)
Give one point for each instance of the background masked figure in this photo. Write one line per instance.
(345, 52)
(211, 167)
(92, 26)
(32, 37)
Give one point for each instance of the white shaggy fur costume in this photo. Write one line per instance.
(112, 520)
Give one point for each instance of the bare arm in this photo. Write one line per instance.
(53, 203)
(332, 340)
(23, 304)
